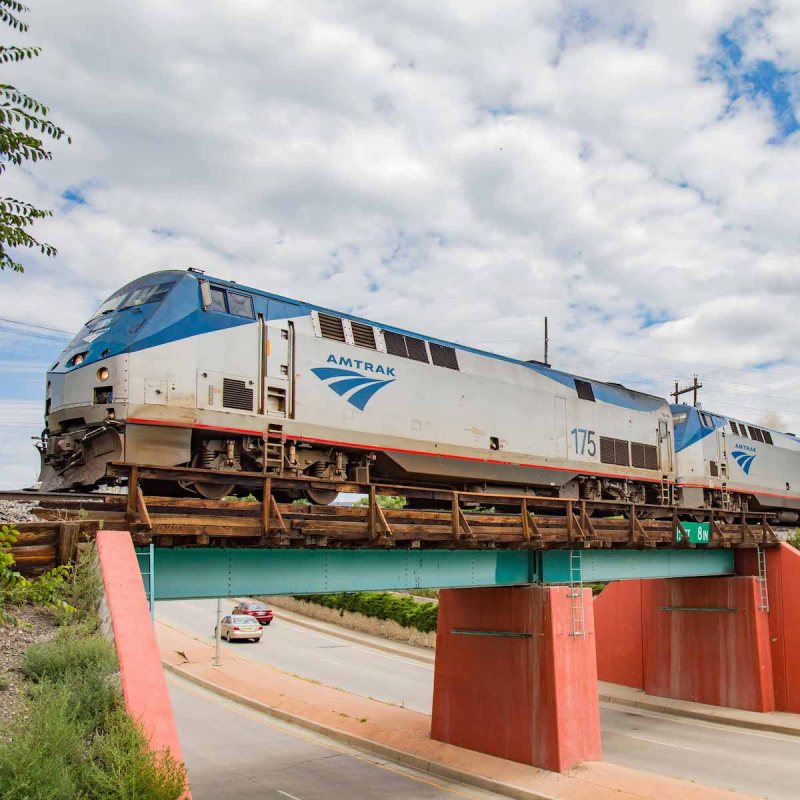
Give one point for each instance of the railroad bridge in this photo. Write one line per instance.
(707, 609)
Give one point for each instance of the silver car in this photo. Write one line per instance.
(240, 626)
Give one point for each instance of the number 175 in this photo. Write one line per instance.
(584, 441)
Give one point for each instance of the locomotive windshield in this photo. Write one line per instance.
(130, 299)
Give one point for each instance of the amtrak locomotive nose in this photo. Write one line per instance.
(181, 369)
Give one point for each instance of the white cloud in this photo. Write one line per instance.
(460, 168)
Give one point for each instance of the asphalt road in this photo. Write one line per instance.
(762, 764)
(235, 752)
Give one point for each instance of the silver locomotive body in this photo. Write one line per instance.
(180, 369)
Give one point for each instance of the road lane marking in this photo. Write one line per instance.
(262, 718)
(635, 711)
(286, 794)
(656, 741)
(331, 661)
(371, 650)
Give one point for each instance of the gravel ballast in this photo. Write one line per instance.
(12, 511)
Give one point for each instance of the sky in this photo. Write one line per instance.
(464, 169)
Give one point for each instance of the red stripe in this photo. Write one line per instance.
(170, 424)
(741, 491)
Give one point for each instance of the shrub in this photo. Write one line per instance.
(384, 501)
(76, 741)
(46, 590)
(122, 767)
(381, 605)
(70, 651)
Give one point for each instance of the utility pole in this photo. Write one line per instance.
(546, 342)
(217, 662)
(693, 389)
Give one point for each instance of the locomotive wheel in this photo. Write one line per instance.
(320, 497)
(213, 491)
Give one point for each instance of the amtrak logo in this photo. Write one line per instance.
(744, 458)
(357, 388)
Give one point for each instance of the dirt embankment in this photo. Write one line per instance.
(32, 625)
(387, 628)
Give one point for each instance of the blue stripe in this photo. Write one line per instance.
(342, 386)
(360, 398)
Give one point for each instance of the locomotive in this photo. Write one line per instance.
(181, 369)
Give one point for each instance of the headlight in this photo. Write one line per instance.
(78, 359)
(102, 374)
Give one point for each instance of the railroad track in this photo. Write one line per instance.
(515, 523)
(67, 498)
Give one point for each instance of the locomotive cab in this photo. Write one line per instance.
(86, 400)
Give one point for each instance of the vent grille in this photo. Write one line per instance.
(767, 437)
(363, 335)
(712, 468)
(614, 451)
(416, 349)
(733, 427)
(443, 356)
(331, 327)
(395, 344)
(584, 390)
(236, 394)
(644, 456)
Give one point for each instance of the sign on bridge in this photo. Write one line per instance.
(698, 532)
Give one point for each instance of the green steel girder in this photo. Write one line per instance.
(219, 572)
(196, 572)
(598, 566)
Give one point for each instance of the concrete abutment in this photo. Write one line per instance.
(707, 639)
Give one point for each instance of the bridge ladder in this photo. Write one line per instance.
(763, 589)
(148, 578)
(575, 593)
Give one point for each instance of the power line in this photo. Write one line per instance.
(65, 337)
(33, 325)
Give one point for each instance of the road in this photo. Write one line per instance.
(762, 764)
(232, 751)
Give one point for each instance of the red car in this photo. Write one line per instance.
(255, 608)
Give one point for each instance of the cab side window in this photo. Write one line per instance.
(241, 305)
(218, 300)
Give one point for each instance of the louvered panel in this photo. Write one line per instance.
(395, 344)
(363, 335)
(331, 327)
(621, 453)
(236, 394)
(607, 450)
(643, 456)
(416, 349)
(443, 356)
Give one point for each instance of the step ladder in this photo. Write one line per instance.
(575, 594)
(727, 498)
(763, 589)
(665, 488)
(148, 570)
(274, 454)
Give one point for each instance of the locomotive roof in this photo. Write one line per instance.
(566, 378)
(685, 407)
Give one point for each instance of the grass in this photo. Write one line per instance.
(76, 741)
(382, 605)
